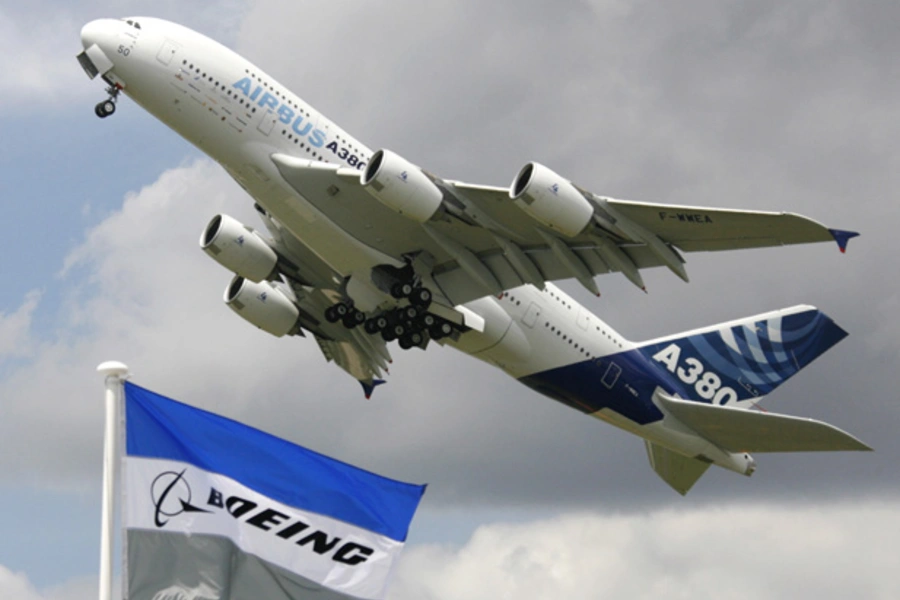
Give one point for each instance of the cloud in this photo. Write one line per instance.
(39, 41)
(16, 586)
(734, 551)
(138, 289)
(15, 328)
(37, 56)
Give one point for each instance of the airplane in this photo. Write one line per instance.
(366, 248)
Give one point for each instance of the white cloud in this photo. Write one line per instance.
(39, 42)
(736, 552)
(37, 58)
(15, 328)
(16, 586)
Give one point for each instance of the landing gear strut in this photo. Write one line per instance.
(108, 106)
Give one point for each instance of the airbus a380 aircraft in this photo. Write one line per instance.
(367, 248)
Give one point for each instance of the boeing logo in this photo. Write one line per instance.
(171, 497)
(300, 124)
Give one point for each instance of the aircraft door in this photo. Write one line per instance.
(167, 52)
(582, 319)
(531, 315)
(267, 123)
(611, 376)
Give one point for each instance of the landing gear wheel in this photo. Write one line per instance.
(401, 290)
(353, 318)
(427, 321)
(336, 312)
(441, 330)
(411, 340)
(105, 108)
(420, 297)
(331, 314)
(371, 326)
(409, 313)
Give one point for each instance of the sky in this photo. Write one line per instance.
(764, 105)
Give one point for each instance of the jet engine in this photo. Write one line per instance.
(263, 305)
(238, 248)
(401, 186)
(551, 200)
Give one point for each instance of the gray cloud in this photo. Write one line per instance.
(644, 99)
(763, 105)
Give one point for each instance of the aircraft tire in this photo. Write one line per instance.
(421, 297)
(105, 108)
(331, 314)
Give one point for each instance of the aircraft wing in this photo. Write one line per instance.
(696, 228)
(481, 242)
(363, 356)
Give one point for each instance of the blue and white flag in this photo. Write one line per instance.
(217, 510)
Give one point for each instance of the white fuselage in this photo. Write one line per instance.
(240, 116)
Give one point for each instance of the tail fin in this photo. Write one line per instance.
(746, 359)
(679, 471)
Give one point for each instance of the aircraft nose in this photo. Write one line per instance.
(101, 32)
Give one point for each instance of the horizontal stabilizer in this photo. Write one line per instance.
(678, 470)
(742, 430)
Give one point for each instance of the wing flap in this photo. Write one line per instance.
(742, 430)
(679, 471)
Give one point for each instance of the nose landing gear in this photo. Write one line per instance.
(108, 106)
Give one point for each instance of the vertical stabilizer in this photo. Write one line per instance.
(678, 470)
(743, 359)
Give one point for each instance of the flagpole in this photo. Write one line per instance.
(116, 373)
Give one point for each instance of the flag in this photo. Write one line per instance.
(217, 510)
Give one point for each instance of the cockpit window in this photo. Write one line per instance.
(134, 24)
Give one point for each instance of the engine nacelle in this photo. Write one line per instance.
(401, 186)
(238, 248)
(263, 305)
(551, 200)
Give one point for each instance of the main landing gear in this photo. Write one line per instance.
(408, 324)
(108, 106)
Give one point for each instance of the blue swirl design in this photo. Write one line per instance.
(755, 357)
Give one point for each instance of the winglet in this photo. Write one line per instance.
(369, 386)
(842, 237)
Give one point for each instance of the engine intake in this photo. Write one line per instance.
(551, 200)
(238, 248)
(263, 305)
(401, 186)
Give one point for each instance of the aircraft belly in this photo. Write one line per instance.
(620, 382)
